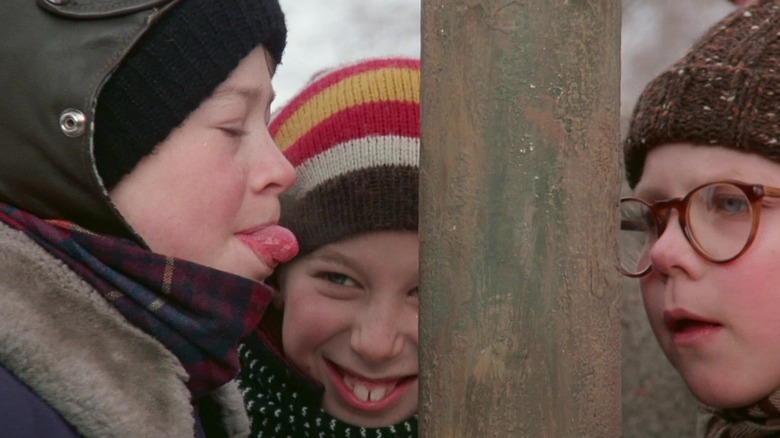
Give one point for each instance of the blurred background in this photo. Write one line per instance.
(324, 34)
(654, 34)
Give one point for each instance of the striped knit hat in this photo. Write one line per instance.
(724, 92)
(353, 136)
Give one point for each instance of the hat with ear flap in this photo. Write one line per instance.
(174, 67)
(353, 136)
(724, 92)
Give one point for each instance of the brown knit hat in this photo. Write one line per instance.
(724, 92)
(353, 135)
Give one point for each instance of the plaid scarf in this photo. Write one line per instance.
(200, 314)
(759, 420)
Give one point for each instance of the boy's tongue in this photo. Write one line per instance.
(280, 242)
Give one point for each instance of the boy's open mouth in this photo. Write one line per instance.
(689, 325)
(683, 322)
(369, 390)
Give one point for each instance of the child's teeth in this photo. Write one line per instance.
(361, 392)
(378, 394)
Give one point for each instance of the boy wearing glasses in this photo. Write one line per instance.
(701, 231)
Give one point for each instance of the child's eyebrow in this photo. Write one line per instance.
(336, 257)
(650, 193)
(245, 93)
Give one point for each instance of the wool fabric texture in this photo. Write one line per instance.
(353, 136)
(174, 67)
(202, 316)
(760, 420)
(724, 92)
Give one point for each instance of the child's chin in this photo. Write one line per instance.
(719, 397)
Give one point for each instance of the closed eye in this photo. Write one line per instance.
(233, 132)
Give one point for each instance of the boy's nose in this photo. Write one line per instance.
(672, 249)
(272, 170)
(376, 335)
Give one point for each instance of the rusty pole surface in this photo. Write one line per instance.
(520, 312)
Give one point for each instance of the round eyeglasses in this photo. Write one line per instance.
(718, 219)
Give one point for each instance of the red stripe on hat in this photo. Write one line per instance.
(352, 123)
(334, 77)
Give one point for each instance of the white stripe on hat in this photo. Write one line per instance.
(361, 153)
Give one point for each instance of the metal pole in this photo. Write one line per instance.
(520, 312)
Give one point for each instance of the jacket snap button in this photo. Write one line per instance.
(73, 123)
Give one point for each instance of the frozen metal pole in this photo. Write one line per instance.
(520, 312)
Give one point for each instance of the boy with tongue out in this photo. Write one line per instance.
(337, 356)
(701, 230)
(139, 201)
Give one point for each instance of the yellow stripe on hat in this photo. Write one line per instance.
(386, 84)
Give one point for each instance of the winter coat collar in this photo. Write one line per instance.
(104, 376)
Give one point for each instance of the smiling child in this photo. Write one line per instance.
(349, 302)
